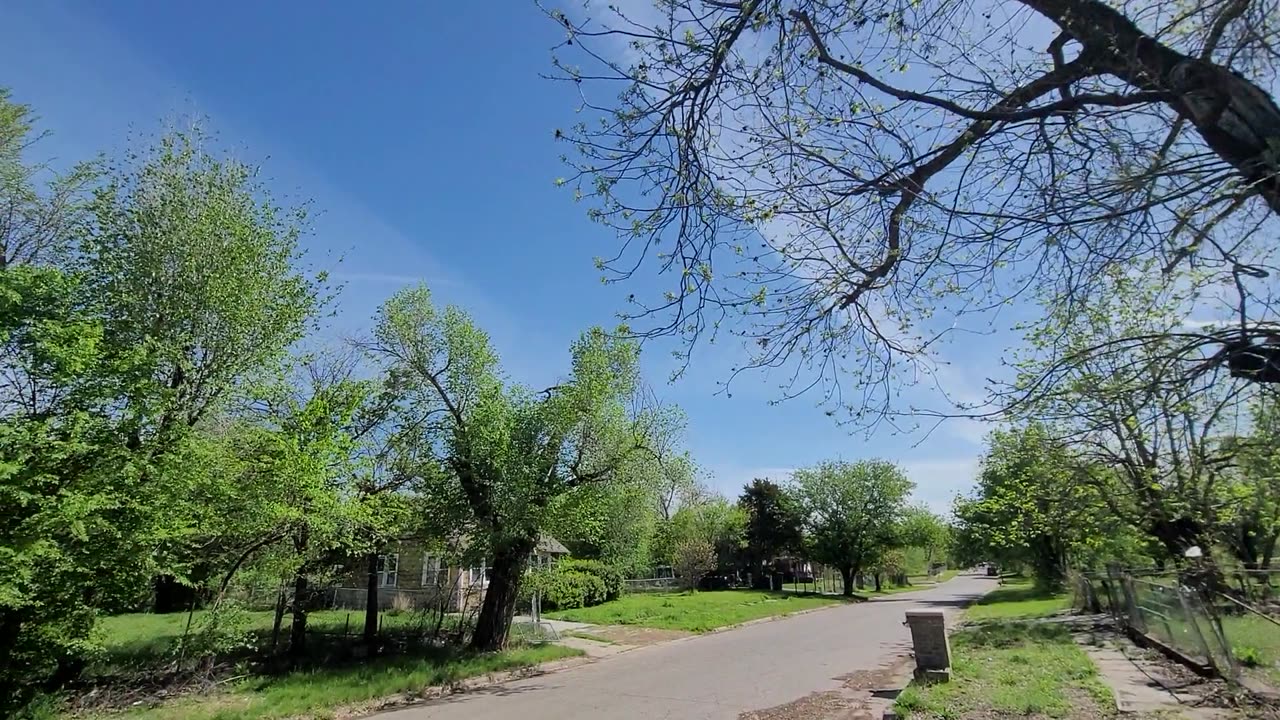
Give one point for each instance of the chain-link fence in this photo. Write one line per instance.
(1227, 624)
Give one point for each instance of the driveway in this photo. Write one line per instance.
(717, 676)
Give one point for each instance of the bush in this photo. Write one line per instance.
(567, 589)
(574, 584)
(1247, 656)
(608, 574)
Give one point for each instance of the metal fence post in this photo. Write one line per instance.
(1136, 621)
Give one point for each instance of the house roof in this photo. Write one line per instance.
(551, 546)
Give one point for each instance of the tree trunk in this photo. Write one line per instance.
(279, 619)
(876, 577)
(846, 574)
(298, 632)
(371, 604)
(1237, 119)
(13, 692)
(505, 575)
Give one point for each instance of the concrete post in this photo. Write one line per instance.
(932, 648)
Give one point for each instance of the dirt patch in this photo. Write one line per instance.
(863, 695)
(634, 635)
(818, 706)
(893, 675)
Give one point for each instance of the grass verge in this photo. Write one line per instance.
(695, 612)
(1017, 601)
(319, 693)
(1006, 669)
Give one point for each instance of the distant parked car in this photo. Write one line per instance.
(993, 571)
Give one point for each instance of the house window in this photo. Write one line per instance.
(432, 572)
(479, 574)
(388, 570)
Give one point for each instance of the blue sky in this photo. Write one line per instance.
(424, 136)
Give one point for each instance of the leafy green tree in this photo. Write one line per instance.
(925, 531)
(1028, 505)
(710, 518)
(39, 220)
(1149, 434)
(851, 512)
(1249, 497)
(178, 284)
(773, 522)
(511, 452)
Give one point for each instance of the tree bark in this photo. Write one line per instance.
(876, 577)
(279, 619)
(846, 574)
(505, 575)
(298, 631)
(1237, 119)
(371, 604)
(13, 694)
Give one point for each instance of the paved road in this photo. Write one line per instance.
(717, 676)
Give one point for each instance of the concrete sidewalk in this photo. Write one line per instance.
(718, 676)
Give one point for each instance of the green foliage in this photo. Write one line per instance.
(121, 335)
(925, 531)
(513, 454)
(694, 558)
(611, 577)
(566, 589)
(712, 521)
(1248, 519)
(851, 512)
(773, 522)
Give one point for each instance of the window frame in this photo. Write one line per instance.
(432, 572)
(483, 569)
(392, 574)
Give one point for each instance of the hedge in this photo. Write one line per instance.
(575, 584)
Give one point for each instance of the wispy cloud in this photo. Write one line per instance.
(939, 480)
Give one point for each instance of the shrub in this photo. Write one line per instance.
(608, 574)
(1247, 656)
(693, 559)
(573, 584)
(565, 590)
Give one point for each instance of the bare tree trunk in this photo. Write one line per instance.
(279, 619)
(371, 604)
(846, 574)
(499, 606)
(298, 632)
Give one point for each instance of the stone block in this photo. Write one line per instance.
(929, 641)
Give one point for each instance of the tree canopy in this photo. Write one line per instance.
(843, 184)
(851, 512)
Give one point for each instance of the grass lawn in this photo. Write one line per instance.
(694, 612)
(1255, 643)
(140, 637)
(1012, 669)
(1017, 600)
(319, 693)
